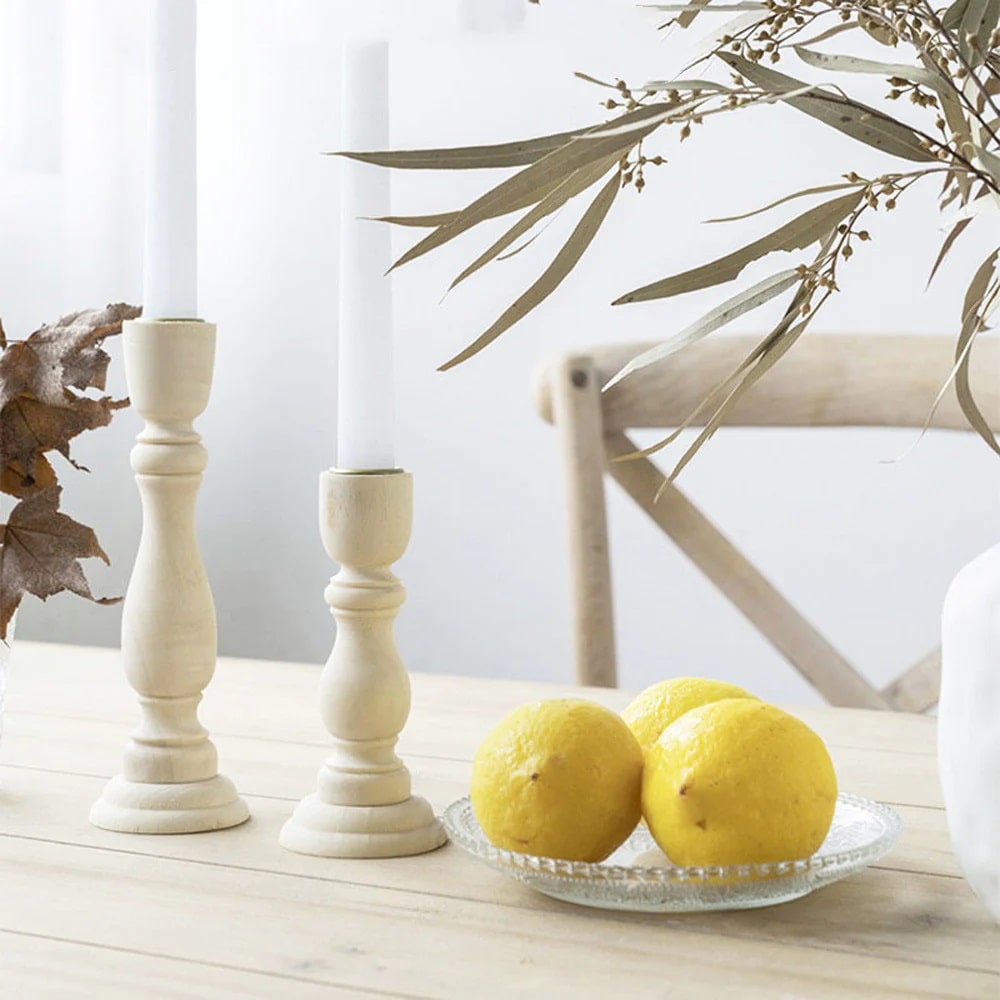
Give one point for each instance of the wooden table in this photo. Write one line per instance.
(86, 913)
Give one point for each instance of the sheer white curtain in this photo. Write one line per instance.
(486, 570)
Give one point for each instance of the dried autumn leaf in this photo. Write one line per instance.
(29, 427)
(69, 350)
(18, 371)
(41, 383)
(15, 481)
(40, 549)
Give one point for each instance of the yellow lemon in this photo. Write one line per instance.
(560, 779)
(738, 782)
(659, 705)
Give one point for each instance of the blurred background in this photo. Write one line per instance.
(864, 546)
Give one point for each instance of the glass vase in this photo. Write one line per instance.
(6, 650)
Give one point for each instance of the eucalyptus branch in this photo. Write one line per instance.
(964, 63)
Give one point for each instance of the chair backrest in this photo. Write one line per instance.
(824, 381)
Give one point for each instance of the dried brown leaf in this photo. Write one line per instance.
(29, 427)
(40, 549)
(15, 481)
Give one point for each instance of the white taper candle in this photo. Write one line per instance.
(171, 252)
(365, 373)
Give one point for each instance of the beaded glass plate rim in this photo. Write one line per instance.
(458, 818)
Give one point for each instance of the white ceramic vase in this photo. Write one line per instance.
(969, 723)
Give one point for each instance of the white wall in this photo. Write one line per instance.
(866, 548)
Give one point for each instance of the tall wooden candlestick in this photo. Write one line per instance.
(362, 807)
(170, 781)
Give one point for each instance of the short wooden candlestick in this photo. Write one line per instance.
(362, 807)
(170, 781)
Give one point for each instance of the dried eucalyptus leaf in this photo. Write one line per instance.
(779, 347)
(990, 162)
(949, 241)
(416, 221)
(504, 154)
(723, 387)
(852, 64)
(528, 186)
(837, 29)
(688, 16)
(955, 119)
(575, 184)
(564, 262)
(746, 301)
(971, 327)
(806, 228)
(524, 246)
(985, 202)
(953, 16)
(791, 197)
(706, 46)
(593, 79)
(709, 86)
(978, 21)
(878, 30)
(860, 122)
(647, 116)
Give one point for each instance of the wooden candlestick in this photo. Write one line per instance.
(362, 807)
(170, 781)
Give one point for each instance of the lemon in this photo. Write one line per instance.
(559, 779)
(659, 705)
(738, 782)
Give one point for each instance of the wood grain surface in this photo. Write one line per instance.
(88, 913)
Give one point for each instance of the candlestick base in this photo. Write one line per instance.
(336, 831)
(362, 807)
(191, 807)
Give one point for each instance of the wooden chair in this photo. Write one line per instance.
(824, 381)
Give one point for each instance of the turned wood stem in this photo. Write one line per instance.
(362, 806)
(169, 781)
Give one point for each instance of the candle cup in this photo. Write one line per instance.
(362, 806)
(169, 782)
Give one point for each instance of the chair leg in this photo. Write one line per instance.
(576, 408)
(918, 689)
(801, 644)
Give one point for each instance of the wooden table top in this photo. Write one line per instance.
(88, 913)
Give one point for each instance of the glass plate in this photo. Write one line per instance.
(639, 876)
